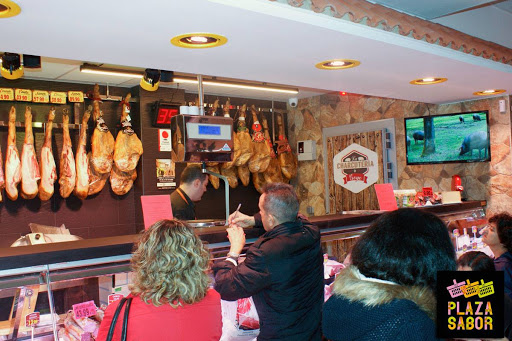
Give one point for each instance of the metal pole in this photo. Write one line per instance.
(226, 187)
(200, 93)
(50, 301)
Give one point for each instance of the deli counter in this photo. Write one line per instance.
(49, 279)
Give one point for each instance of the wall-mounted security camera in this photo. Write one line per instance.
(293, 102)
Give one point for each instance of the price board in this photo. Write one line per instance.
(428, 192)
(6, 94)
(76, 96)
(85, 309)
(32, 319)
(23, 95)
(40, 96)
(58, 97)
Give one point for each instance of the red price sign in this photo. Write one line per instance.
(32, 319)
(76, 96)
(114, 297)
(86, 309)
(428, 192)
(40, 96)
(58, 97)
(23, 95)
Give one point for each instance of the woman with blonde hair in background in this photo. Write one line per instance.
(171, 298)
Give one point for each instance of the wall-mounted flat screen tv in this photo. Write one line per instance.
(458, 137)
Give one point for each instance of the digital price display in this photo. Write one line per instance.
(163, 113)
(209, 130)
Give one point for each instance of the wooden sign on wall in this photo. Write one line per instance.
(341, 199)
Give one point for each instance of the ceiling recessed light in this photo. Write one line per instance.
(8, 9)
(337, 64)
(489, 92)
(198, 40)
(428, 80)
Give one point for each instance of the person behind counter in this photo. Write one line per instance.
(387, 293)
(193, 184)
(171, 297)
(282, 271)
(498, 236)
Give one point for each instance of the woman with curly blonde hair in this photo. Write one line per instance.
(171, 295)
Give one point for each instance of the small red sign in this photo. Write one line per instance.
(32, 319)
(428, 192)
(114, 297)
(85, 309)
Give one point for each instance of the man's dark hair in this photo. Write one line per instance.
(477, 261)
(503, 223)
(281, 201)
(407, 246)
(191, 173)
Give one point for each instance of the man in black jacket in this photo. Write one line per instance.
(282, 271)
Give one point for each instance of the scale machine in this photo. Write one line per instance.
(203, 139)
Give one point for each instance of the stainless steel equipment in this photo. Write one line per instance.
(205, 223)
(204, 138)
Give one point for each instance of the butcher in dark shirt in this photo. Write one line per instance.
(192, 187)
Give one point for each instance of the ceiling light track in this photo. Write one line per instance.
(93, 69)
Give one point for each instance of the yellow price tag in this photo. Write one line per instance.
(76, 96)
(58, 97)
(23, 95)
(6, 94)
(40, 96)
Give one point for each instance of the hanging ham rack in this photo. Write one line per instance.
(40, 125)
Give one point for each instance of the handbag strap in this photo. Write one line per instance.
(116, 316)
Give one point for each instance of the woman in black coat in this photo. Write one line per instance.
(388, 291)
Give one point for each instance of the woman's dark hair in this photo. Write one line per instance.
(477, 261)
(407, 246)
(504, 228)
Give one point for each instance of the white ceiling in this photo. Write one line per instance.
(267, 42)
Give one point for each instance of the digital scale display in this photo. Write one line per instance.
(209, 130)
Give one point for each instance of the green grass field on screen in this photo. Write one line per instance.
(449, 134)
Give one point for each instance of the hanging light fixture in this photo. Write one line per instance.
(11, 66)
(151, 80)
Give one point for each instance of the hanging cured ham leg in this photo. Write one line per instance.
(48, 167)
(127, 152)
(128, 147)
(122, 182)
(102, 141)
(273, 172)
(30, 174)
(12, 160)
(82, 165)
(245, 142)
(260, 152)
(96, 180)
(67, 167)
(287, 159)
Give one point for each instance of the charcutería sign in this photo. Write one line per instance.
(356, 168)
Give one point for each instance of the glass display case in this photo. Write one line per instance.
(52, 279)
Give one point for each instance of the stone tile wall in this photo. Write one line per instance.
(491, 181)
